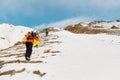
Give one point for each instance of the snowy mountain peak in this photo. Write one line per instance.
(10, 34)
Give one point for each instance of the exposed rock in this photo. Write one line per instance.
(85, 30)
(11, 72)
(118, 20)
(49, 29)
(114, 27)
(39, 73)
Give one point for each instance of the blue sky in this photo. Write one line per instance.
(39, 12)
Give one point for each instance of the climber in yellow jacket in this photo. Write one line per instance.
(36, 41)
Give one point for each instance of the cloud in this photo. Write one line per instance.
(106, 4)
(55, 10)
(32, 7)
(15, 6)
(84, 4)
(66, 22)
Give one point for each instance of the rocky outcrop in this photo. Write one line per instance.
(85, 29)
(80, 29)
(49, 29)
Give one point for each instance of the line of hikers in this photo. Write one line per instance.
(31, 39)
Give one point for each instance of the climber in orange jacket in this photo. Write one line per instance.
(29, 39)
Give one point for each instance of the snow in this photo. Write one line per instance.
(89, 57)
(10, 34)
(109, 25)
(81, 57)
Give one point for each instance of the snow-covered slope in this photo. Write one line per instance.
(81, 57)
(10, 34)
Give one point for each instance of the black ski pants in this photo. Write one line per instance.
(29, 46)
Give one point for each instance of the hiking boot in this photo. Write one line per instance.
(27, 58)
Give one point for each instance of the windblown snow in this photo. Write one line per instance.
(109, 24)
(9, 34)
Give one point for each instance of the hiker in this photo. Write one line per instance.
(46, 32)
(29, 44)
(36, 39)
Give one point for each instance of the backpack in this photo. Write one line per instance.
(28, 36)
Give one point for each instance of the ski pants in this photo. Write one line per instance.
(29, 46)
